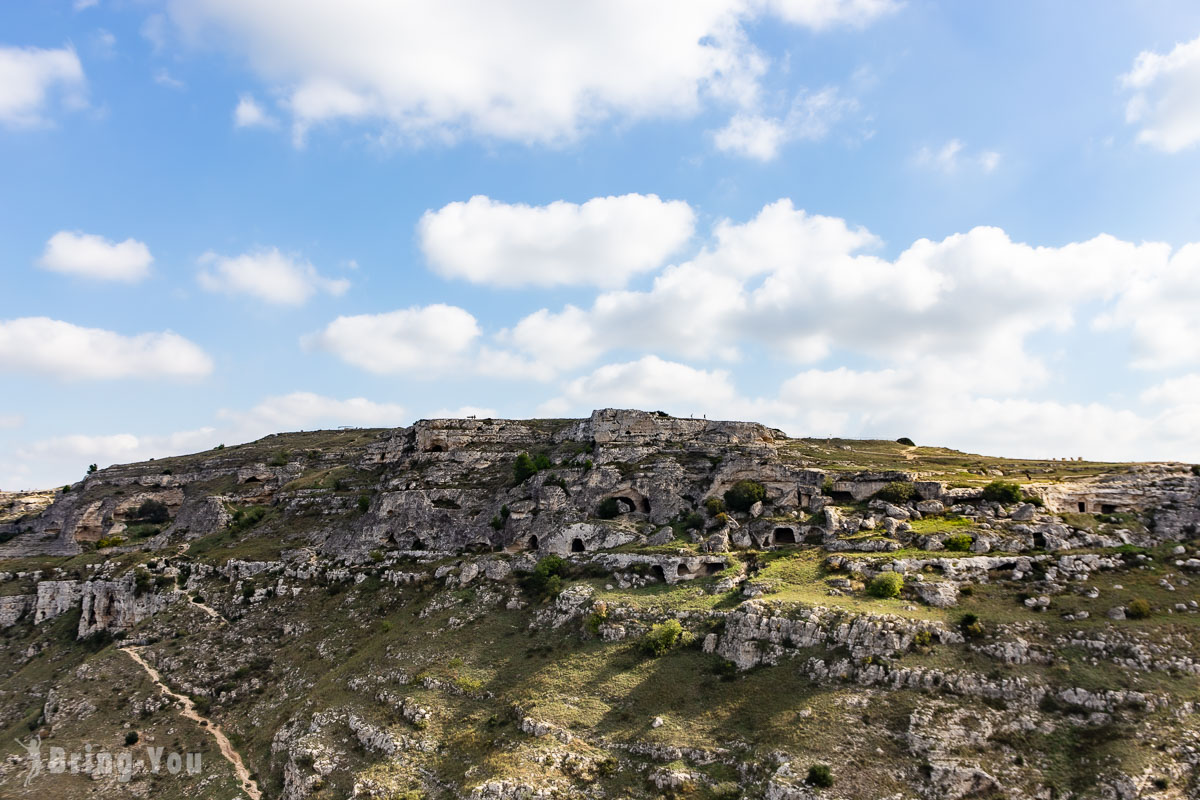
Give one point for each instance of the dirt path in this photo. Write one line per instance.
(189, 711)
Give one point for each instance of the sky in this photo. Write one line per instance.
(976, 225)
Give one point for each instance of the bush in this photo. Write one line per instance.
(1139, 608)
(1003, 492)
(608, 508)
(959, 542)
(898, 492)
(546, 580)
(714, 505)
(523, 468)
(131, 738)
(280, 459)
(922, 638)
(693, 520)
(664, 637)
(820, 775)
(727, 790)
(142, 581)
(906, 441)
(153, 511)
(364, 503)
(497, 522)
(92, 468)
(246, 518)
(541, 462)
(744, 494)
(971, 625)
(886, 584)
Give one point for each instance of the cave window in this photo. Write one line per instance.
(1107, 508)
(712, 568)
(656, 571)
(785, 536)
(577, 546)
(683, 571)
(1082, 507)
(533, 543)
(418, 544)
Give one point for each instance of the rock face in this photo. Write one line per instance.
(381, 605)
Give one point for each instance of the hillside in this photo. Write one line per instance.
(625, 606)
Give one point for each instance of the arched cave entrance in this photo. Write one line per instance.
(784, 536)
(577, 545)
(656, 571)
(713, 568)
(683, 571)
(533, 543)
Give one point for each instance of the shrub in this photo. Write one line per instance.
(744, 494)
(375, 555)
(541, 462)
(959, 542)
(523, 468)
(906, 441)
(727, 790)
(142, 581)
(153, 511)
(971, 625)
(922, 638)
(131, 738)
(608, 508)
(246, 518)
(92, 468)
(1003, 492)
(820, 775)
(714, 505)
(546, 579)
(280, 459)
(693, 520)
(1139, 608)
(886, 584)
(364, 503)
(721, 520)
(110, 541)
(664, 637)
(898, 492)
(66, 488)
(497, 522)
(1196, 469)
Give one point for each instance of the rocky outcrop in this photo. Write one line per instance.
(117, 605)
(54, 598)
(15, 606)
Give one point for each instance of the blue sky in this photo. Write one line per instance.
(967, 223)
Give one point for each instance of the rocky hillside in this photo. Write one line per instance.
(630, 605)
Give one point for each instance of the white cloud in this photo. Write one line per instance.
(1157, 305)
(821, 14)
(652, 383)
(11, 420)
(1166, 97)
(603, 242)
(269, 275)
(249, 114)
(951, 157)
(427, 340)
(462, 412)
(92, 256)
(30, 77)
(800, 284)
(526, 72)
(760, 137)
(80, 5)
(62, 350)
(164, 78)
(306, 410)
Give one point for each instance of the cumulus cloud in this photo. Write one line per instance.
(602, 242)
(92, 256)
(269, 275)
(1165, 101)
(249, 114)
(30, 79)
(424, 340)
(529, 72)
(952, 157)
(760, 137)
(59, 349)
(798, 284)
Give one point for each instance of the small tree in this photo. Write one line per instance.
(886, 584)
(1003, 492)
(744, 494)
(154, 511)
(92, 468)
(523, 468)
(906, 441)
(664, 637)
(714, 505)
(609, 508)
